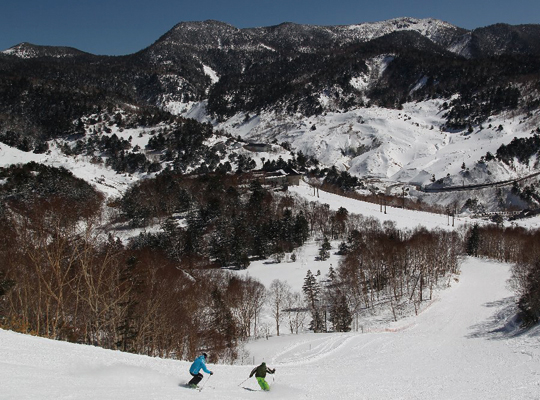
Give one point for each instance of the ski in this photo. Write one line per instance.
(188, 386)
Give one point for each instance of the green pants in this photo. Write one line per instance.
(263, 384)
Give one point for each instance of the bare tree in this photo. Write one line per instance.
(278, 296)
(247, 298)
(297, 312)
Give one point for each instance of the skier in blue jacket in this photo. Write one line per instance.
(194, 370)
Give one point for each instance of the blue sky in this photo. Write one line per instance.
(117, 27)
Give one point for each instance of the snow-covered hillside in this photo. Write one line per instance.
(408, 146)
(434, 29)
(104, 179)
(405, 145)
(294, 272)
(464, 346)
(382, 107)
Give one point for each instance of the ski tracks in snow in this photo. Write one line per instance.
(318, 347)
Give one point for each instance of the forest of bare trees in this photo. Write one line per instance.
(73, 282)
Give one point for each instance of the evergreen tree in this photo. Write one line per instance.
(332, 276)
(338, 226)
(343, 249)
(194, 231)
(472, 244)
(172, 236)
(301, 229)
(257, 195)
(340, 316)
(287, 226)
(324, 251)
(312, 293)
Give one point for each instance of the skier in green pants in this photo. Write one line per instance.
(260, 374)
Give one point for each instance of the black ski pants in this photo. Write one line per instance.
(196, 379)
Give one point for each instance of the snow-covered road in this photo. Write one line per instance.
(462, 347)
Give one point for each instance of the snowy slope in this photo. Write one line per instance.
(431, 28)
(403, 218)
(407, 145)
(306, 256)
(104, 179)
(461, 347)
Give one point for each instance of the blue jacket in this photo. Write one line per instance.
(199, 363)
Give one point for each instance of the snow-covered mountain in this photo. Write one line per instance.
(414, 109)
(202, 36)
(413, 101)
(28, 50)
(407, 145)
(386, 146)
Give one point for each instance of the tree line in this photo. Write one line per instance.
(381, 268)
(64, 276)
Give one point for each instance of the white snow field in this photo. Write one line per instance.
(464, 346)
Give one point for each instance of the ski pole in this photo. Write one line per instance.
(243, 381)
(201, 388)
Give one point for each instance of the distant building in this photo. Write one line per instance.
(258, 147)
(282, 178)
(275, 179)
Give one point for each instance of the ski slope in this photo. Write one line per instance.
(464, 346)
(402, 218)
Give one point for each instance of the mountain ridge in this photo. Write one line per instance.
(438, 31)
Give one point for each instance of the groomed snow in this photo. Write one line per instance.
(462, 347)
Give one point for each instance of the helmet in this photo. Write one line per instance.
(205, 356)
